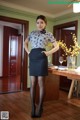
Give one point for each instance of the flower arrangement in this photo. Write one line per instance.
(73, 50)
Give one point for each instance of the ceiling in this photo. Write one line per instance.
(40, 6)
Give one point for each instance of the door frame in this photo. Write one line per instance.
(68, 24)
(57, 31)
(24, 62)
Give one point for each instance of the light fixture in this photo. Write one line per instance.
(76, 7)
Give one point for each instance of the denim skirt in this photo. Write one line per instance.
(38, 62)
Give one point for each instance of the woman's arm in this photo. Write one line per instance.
(53, 50)
(26, 45)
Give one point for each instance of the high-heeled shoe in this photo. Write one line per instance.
(33, 112)
(39, 113)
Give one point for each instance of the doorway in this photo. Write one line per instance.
(64, 32)
(13, 76)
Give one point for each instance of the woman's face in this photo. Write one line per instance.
(40, 24)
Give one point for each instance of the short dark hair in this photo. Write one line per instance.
(42, 17)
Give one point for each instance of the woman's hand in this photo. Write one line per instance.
(46, 53)
(28, 52)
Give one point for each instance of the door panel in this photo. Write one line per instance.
(8, 31)
(15, 55)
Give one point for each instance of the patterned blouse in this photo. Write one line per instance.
(40, 40)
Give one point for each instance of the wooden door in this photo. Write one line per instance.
(12, 54)
(8, 32)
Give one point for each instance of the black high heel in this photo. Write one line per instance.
(39, 113)
(33, 112)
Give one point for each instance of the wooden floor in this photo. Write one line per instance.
(19, 107)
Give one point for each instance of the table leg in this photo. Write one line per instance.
(71, 89)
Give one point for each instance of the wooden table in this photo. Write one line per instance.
(52, 84)
(71, 74)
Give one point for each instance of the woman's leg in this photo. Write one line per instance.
(41, 81)
(33, 93)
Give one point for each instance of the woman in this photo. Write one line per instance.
(38, 62)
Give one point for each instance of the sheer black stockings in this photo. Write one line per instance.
(41, 81)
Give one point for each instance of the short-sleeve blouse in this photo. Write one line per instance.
(39, 40)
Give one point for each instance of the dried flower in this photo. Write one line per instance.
(73, 50)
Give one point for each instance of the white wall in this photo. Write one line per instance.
(1, 49)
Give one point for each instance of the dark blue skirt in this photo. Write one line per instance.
(38, 62)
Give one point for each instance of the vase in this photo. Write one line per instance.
(71, 62)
